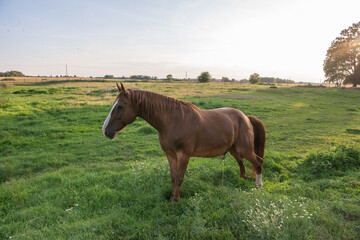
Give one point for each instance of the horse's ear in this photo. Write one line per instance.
(122, 89)
(119, 88)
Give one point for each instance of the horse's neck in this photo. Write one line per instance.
(153, 119)
(152, 114)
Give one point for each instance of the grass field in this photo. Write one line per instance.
(62, 179)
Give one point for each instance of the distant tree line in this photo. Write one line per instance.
(137, 77)
(269, 80)
(12, 74)
(275, 80)
(203, 77)
(143, 77)
(226, 79)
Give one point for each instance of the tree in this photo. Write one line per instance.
(169, 77)
(204, 77)
(342, 62)
(254, 78)
(109, 76)
(225, 79)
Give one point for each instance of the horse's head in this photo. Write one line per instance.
(121, 114)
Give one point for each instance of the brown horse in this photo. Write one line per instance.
(186, 131)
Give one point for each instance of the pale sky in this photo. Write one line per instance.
(279, 38)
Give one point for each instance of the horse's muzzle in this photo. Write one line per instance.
(109, 134)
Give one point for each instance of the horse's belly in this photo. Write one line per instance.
(210, 152)
(209, 149)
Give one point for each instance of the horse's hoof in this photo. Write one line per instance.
(173, 199)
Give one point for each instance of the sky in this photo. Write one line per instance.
(278, 38)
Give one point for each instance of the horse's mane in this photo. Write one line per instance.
(149, 102)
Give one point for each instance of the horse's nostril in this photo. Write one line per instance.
(106, 132)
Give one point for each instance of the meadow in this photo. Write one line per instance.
(62, 179)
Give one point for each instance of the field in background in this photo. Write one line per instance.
(51, 80)
(61, 179)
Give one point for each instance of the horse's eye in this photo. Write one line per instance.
(120, 107)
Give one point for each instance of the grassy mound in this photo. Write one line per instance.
(326, 164)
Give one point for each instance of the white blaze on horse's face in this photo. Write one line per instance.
(108, 118)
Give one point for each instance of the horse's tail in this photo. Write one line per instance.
(259, 140)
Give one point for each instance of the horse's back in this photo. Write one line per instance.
(208, 133)
(219, 130)
(237, 117)
(243, 134)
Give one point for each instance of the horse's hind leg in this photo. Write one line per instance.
(240, 161)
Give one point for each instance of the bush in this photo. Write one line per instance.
(45, 90)
(12, 74)
(3, 85)
(8, 79)
(331, 162)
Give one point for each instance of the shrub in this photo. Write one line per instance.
(12, 74)
(3, 85)
(8, 79)
(45, 90)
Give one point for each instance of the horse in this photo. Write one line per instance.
(186, 131)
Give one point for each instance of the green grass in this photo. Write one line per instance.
(61, 179)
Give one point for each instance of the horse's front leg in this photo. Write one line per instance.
(178, 170)
(173, 165)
